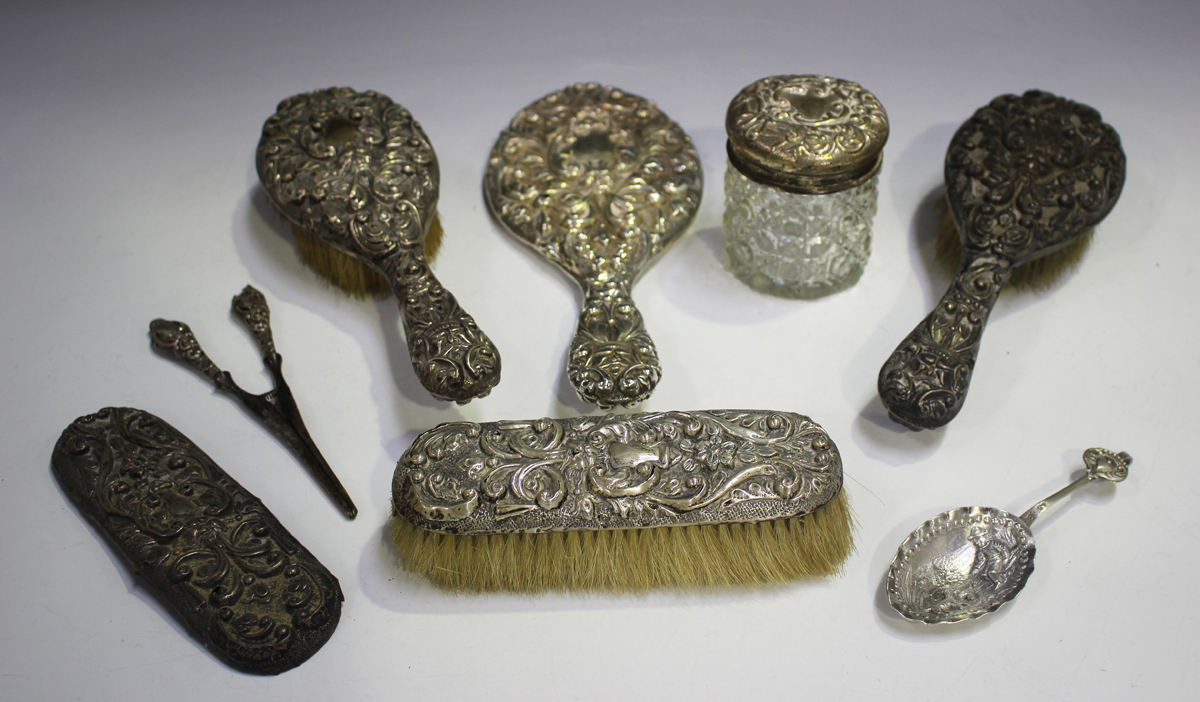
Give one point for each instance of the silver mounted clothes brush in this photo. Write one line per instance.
(622, 503)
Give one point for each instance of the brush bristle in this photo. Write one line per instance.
(350, 273)
(433, 239)
(634, 560)
(1037, 275)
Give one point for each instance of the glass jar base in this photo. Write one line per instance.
(794, 245)
(797, 291)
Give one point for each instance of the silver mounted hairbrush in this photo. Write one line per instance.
(1025, 176)
(355, 170)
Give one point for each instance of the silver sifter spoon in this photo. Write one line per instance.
(967, 562)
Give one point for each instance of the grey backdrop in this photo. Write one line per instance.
(127, 192)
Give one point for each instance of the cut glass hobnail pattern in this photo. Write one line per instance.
(793, 245)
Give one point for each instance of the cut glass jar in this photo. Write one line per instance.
(801, 183)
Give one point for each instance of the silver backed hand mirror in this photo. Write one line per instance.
(967, 562)
(599, 181)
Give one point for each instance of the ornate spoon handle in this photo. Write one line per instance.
(612, 359)
(925, 380)
(1101, 463)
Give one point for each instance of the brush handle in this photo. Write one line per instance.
(612, 359)
(451, 356)
(924, 382)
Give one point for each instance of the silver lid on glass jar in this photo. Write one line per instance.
(806, 134)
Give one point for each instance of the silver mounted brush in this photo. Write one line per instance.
(569, 504)
(1026, 176)
(355, 170)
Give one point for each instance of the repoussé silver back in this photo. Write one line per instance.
(599, 182)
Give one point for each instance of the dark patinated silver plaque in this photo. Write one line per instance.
(245, 587)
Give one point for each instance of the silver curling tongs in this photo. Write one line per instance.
(275, 409)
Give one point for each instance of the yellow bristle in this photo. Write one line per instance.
(350, 273)
(634, 560)
(433, 238)
(1037, 275)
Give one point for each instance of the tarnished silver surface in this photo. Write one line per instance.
(356, 170)
(600, 182)
(806, 134)
(967, 562)
(277, 409)
(212, 552)
(1025, 176)
(616, 472)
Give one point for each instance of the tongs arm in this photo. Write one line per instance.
(276, 410)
